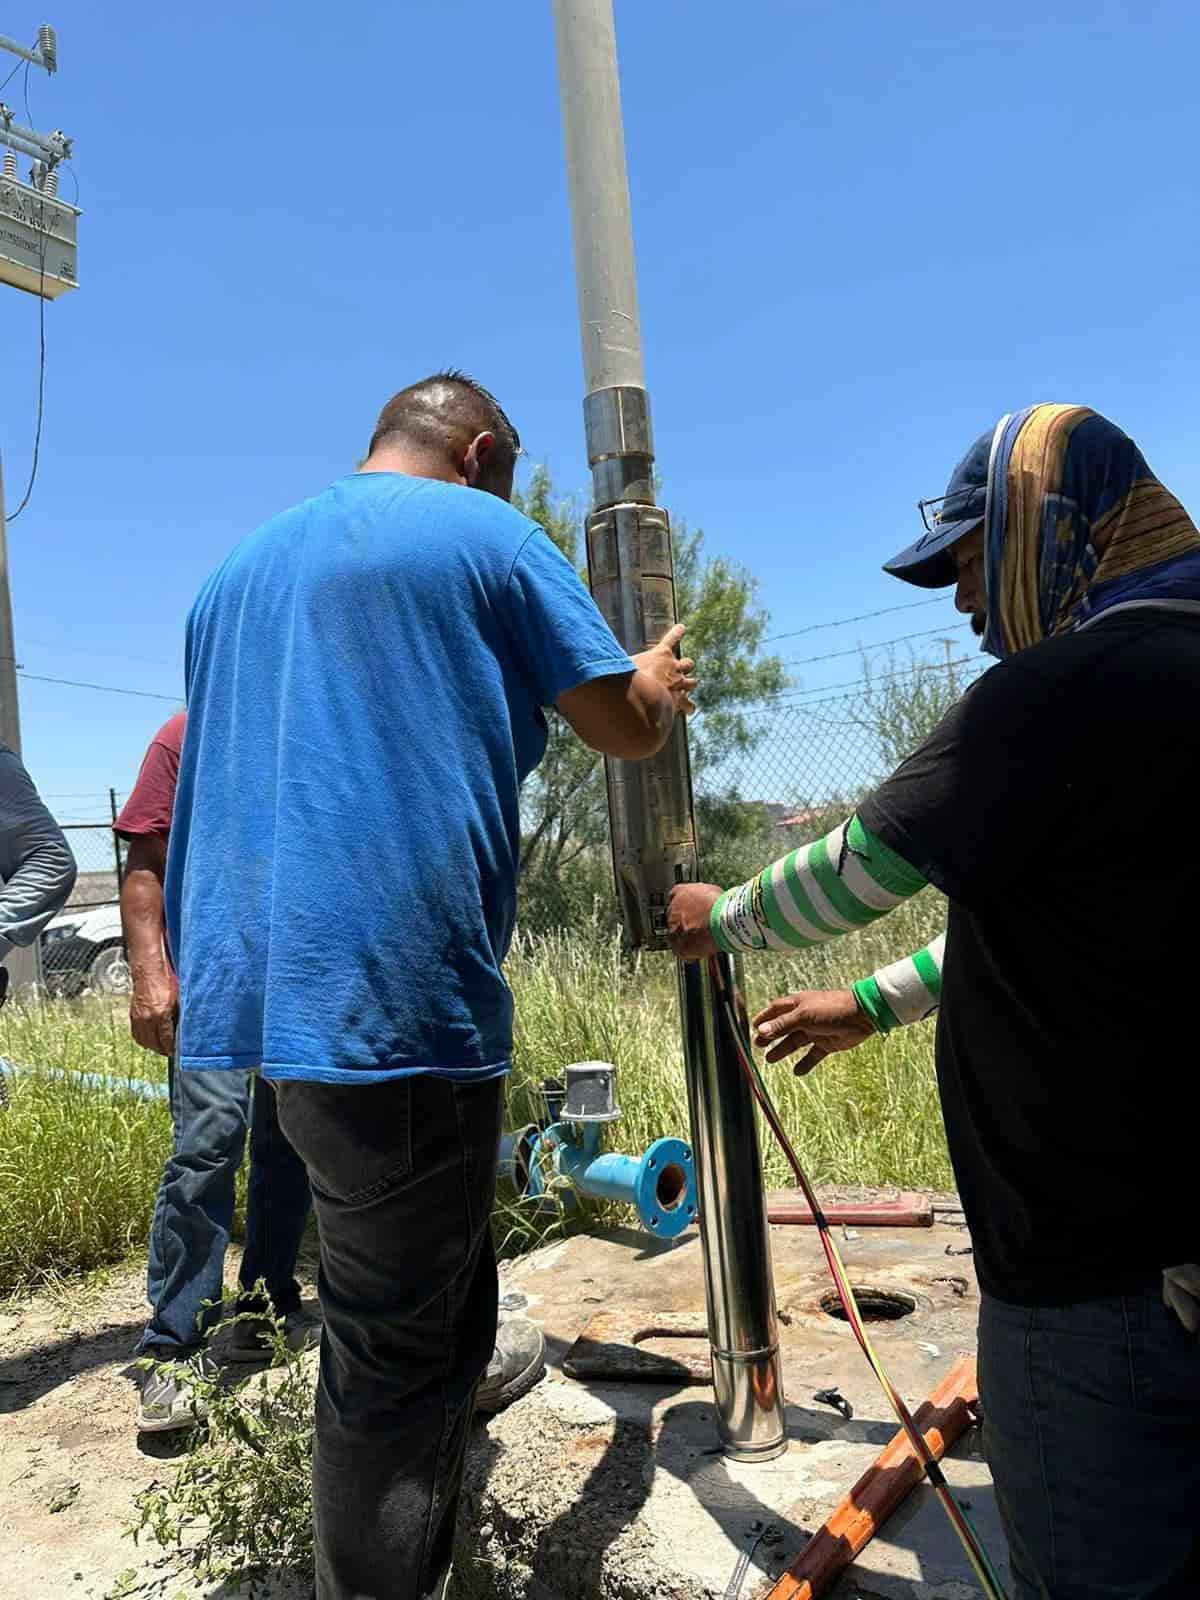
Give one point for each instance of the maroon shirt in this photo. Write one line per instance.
(149, 806)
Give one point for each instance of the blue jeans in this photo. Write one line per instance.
(404, 1176)
(194, 1209)
(1091, 1426)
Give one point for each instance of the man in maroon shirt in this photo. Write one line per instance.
(210, 1112)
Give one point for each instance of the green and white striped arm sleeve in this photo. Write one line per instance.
(908, 991)
(826, 889)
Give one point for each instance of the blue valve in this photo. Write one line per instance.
(660, 1184)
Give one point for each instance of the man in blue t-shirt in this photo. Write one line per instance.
(366, 680)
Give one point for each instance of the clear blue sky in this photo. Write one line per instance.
(863, 232)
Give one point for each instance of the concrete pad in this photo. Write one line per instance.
(619, 1489)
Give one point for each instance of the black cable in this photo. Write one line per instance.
(41, 406)
(104, 688)
(28, 112)
(12, 75)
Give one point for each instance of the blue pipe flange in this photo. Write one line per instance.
(666, 1196)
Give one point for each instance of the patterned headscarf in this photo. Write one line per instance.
(1076, 523)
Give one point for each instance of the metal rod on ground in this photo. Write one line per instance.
(24, 965)
(650, 803)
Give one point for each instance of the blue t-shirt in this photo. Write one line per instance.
(365, 679)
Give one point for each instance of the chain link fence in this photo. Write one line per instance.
(792, 769)
(796, 768)
(83, 948)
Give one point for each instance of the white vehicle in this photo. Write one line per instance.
(84, 948)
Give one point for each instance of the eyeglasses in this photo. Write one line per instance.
(934, 513)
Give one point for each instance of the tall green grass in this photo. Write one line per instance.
(78, 1172)
(870, 1116)
(79, 1167)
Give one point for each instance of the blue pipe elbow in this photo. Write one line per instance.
(660, 1184)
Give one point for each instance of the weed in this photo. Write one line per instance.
(240, 1502)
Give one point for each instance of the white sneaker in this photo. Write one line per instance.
(168, 1403)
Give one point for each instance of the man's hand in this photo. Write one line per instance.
(675, 675)
(630, 715)
(153, 1011)
(688, 910)
(824, 1020)
(1181, 1292)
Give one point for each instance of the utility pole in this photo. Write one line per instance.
(651, 812)
(24, 965)
(37, 255)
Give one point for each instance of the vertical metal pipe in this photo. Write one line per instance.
(601, 228)
(742, 1326)
(650, 803)
(118, 855)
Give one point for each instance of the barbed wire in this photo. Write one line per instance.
(801, 696)
(865, 616)
(882, 644)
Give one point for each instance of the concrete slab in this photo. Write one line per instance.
(613, 1489)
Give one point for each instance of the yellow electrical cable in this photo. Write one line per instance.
(961, 1523)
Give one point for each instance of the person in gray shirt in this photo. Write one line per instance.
(36, 864)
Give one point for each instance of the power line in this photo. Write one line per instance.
(11, 76)
(842, 622)
(103, 688)
(902, 638)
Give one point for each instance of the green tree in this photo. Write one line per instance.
(566, 871)
(902, 705)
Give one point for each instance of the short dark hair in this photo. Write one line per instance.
(444, 412)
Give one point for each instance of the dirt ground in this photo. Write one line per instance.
(71, 1460)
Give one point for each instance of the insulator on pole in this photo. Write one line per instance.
(10, 163)
(48, 47)
(50, 181)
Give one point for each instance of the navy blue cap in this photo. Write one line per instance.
(928, 563)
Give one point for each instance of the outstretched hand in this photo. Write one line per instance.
(819, 1021)
(675, 673)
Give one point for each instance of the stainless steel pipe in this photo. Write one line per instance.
(742, 1327)
(651, 811)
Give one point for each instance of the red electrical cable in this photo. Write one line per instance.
(958, 1518)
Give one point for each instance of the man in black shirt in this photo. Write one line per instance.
(1050, 806)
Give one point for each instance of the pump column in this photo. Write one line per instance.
(651, 812)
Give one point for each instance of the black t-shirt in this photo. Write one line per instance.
(1055, 806)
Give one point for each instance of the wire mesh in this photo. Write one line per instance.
(83, 948)
(785, 772)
